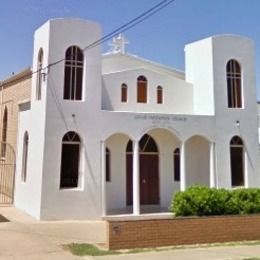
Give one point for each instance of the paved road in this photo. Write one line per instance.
(26, 238)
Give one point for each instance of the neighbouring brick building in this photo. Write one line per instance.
(14, 91)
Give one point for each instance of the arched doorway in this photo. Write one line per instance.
(149, 171)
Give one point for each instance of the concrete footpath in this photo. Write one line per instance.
(26, 238)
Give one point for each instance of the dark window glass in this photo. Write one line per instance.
(108, 165)
(4, 133)
(237, 161)
(234, 91)
(176, 161)
(39, 75)
(25, 156)
(146, 144)
(129, 147)
(123, 93)
(73, 78)
(70, 157)
(159, 95)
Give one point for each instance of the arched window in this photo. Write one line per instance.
(146, 145)
(159, 95)
(234, 88)
(4, 133)
(176, 164)
(39, 75)
(108, 165)
(73, 77)
(25, 156)
(237, 161)
(141, 89)
(123, 92)
(70, 159)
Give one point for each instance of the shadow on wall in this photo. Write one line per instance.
(106, 101)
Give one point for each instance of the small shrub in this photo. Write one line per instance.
(204, 201)
(248, 200)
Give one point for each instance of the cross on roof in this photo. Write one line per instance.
(118, 44)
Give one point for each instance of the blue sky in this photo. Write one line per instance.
(161, 38)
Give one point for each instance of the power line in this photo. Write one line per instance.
(121, 29)
(57, 102)
(132, 23)
(125, 27)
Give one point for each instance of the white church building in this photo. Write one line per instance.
(116, 134)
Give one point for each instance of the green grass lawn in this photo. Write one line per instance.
(88, 249)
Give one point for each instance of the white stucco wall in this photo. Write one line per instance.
(177, 94)
(116, 188)
(28, 195)
(112, 63)
(228, 47)
(85, 121)
(168, 132)
(192, 109)
(198, 71)
(258, 108)
(46, 133)
(197, 157)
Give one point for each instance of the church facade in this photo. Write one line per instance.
(116, 134)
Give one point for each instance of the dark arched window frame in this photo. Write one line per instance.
(141, 89)
(176, 164)
(234, 84)
(159, 95)
(39, 75)
(124, 93)
(147, 144)
(4, 133)
(25, 156)
(108, 165)
(70, 160)
(237, 156)
(73, 73)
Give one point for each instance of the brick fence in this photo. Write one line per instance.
(181, 231)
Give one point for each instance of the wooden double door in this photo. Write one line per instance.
(149, 178)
